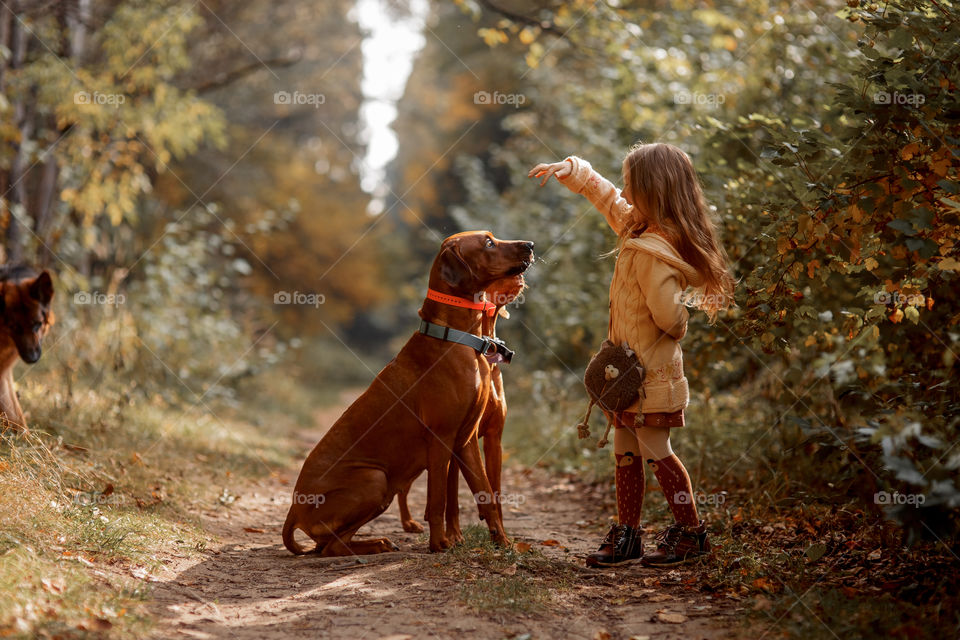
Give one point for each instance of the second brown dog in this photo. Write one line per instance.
(500, 293)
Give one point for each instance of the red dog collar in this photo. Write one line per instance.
(445, 298)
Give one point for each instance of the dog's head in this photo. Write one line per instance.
(471, 261)
(26, 314)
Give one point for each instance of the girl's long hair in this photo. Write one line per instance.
(664, 187)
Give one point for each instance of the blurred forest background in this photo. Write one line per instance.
(148, 162)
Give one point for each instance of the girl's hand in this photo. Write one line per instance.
(559, 169)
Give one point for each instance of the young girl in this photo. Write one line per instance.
(667, 242)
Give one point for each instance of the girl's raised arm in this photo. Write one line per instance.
(578, 176)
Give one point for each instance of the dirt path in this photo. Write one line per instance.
(249, 586)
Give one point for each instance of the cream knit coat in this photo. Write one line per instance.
(645, 308)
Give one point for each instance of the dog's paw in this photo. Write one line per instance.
(442, 544)
(500, 539)
(383, 545)
(412, 526)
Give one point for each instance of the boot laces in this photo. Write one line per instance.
(612, 535)
(669, 537)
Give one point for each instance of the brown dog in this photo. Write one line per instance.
(422, 409)
(500, 293)
(26, 317)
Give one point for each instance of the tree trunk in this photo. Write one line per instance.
(46, 199)
(77, 23)
(6, 17)
(17, 196)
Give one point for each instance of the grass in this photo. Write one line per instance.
(497, 579)
(50, 597)
(104, 486)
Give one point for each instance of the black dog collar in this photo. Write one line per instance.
(493, 349)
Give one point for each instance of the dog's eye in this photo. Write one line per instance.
(37, 326)
(490, 244)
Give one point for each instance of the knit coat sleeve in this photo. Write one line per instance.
(662, 286)
(599, 191)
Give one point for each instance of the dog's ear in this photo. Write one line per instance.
(41, 289)
(453, 268)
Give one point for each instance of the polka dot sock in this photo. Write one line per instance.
(630, 487)
(677, 489)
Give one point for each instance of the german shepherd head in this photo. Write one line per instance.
(25, 314)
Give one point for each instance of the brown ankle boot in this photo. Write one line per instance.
(621, 545)
(678, 544)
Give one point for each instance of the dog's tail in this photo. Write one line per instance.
(288, 528)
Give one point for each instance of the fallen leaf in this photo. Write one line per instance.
(53, 585)
(817, 550)
(253, 530)
(523, 547)
(602, 635)
(550, 543)
(763, 584)
(910, 150)
(669, 618)
(97, 624)
(949, 264)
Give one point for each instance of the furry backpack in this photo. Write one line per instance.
(614, 381)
